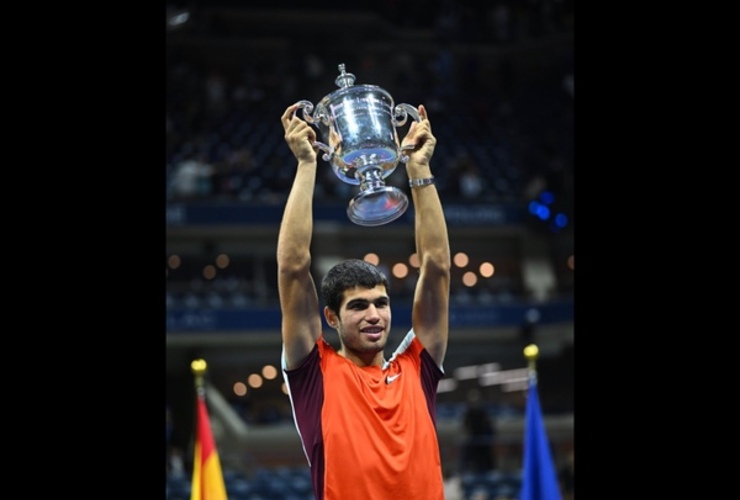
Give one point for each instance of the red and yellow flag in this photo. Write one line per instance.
(208, 479)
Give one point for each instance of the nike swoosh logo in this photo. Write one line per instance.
(389, 379)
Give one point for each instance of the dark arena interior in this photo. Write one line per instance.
(497, 81)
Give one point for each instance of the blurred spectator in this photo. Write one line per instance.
(565, 476)
(192, 178)
(232, 176)
(480, 434)
(174, 455)
(466, 181)
(470, 180)
(176, 463)
(453, 488)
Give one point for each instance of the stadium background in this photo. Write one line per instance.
(498, 81)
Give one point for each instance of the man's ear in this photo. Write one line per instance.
(331, 317)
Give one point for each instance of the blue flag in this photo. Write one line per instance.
(539, 478)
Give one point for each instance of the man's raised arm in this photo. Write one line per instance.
(430, 314)
(301, 320)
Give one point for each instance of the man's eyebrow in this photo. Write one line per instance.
(357, 302)
(364, 302)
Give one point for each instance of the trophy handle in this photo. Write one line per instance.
(306, 108)
(400, 115)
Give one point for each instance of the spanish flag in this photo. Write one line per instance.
(208, 480)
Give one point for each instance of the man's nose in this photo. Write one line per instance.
(372, 313)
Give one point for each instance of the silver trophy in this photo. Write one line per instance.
(359, 124)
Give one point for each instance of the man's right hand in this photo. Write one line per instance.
(299, 135)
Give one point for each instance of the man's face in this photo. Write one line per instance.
(364, 319)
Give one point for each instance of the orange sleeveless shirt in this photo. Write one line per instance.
(369, 432)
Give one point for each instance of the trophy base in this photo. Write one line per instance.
(378, 206)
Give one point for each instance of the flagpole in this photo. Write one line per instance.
(198, 367)
(208, 481)
(531, 352)
(539, 477)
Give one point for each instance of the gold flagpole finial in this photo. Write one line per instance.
(531, 352)
(198, 366)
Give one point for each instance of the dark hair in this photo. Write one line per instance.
(349, 274)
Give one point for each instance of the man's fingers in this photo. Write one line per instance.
(422, 112)
(288, 115)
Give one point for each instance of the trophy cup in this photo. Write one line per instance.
(359, 124)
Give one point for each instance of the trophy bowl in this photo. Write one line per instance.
(358, 124)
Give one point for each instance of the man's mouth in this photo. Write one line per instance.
(373, 332)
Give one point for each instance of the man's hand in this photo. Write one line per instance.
(420, 136)
(299, 135)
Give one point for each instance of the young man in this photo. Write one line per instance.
(367, 423)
